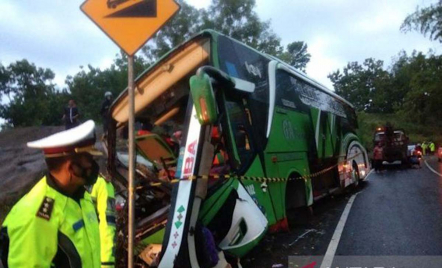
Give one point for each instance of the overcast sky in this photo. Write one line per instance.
(55, 34)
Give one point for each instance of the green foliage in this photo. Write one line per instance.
(31, 94)
(367, 86)
(296, 55)
(234, 18)
(34, 100)
(422, 101)
(237, 19)
(368, 122)
(185, 24)
(88, 86)
(412, 88)
(427, 20)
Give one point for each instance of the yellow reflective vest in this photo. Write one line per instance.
(424, 147)
(49, 229)
(432, 147)
(103, 195)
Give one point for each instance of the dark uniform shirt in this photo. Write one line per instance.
(70, 119)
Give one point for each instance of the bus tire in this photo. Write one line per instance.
(356, 176)
(296, 209)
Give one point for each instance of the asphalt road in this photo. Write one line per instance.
(397, 213)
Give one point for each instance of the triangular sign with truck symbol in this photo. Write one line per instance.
(130, 23)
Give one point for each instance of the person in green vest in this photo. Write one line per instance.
(432, 147)
(103, 195)
(55, 223)
(424, 147)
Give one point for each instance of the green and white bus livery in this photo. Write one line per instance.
(214, 106)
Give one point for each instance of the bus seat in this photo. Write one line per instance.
(155, 149)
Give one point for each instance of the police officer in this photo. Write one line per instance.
(55, 223)
(424, 147)
(103, 195)
(432, 148)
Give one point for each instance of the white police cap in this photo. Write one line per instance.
(80, 139)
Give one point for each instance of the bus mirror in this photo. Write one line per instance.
(203, 98)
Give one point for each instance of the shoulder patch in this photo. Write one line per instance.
(45, 209)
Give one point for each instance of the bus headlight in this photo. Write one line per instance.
(362, 173)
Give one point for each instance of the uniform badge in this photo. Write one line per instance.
(45, 209)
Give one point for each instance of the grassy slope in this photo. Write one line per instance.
(416, 132)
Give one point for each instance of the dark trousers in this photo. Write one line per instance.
(377, 165)
(105, 124)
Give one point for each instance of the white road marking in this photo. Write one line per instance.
(368, 175)
(434, 171)
(331, 250)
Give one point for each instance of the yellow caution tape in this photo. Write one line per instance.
(251, 178)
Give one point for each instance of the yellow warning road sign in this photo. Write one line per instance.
(130, 23)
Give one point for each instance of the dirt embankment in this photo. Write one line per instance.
(20, 166)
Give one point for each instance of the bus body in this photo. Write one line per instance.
(272, 122)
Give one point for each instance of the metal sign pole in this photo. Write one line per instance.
(131, 220)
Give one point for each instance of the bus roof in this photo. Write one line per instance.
(295, 71)
(214, 35)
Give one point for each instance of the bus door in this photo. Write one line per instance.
(250, 142)
(243, 154)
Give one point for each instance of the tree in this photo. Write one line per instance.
(185, 24)
(296, 55)
(4, 79)
(88, 86)
(423, 99)
(401, 74)
(234, 18)
(237, 19)
(366, 86)
(30, 92)
(412, 87)
(427, 20)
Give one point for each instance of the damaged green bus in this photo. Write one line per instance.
(229, 139)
